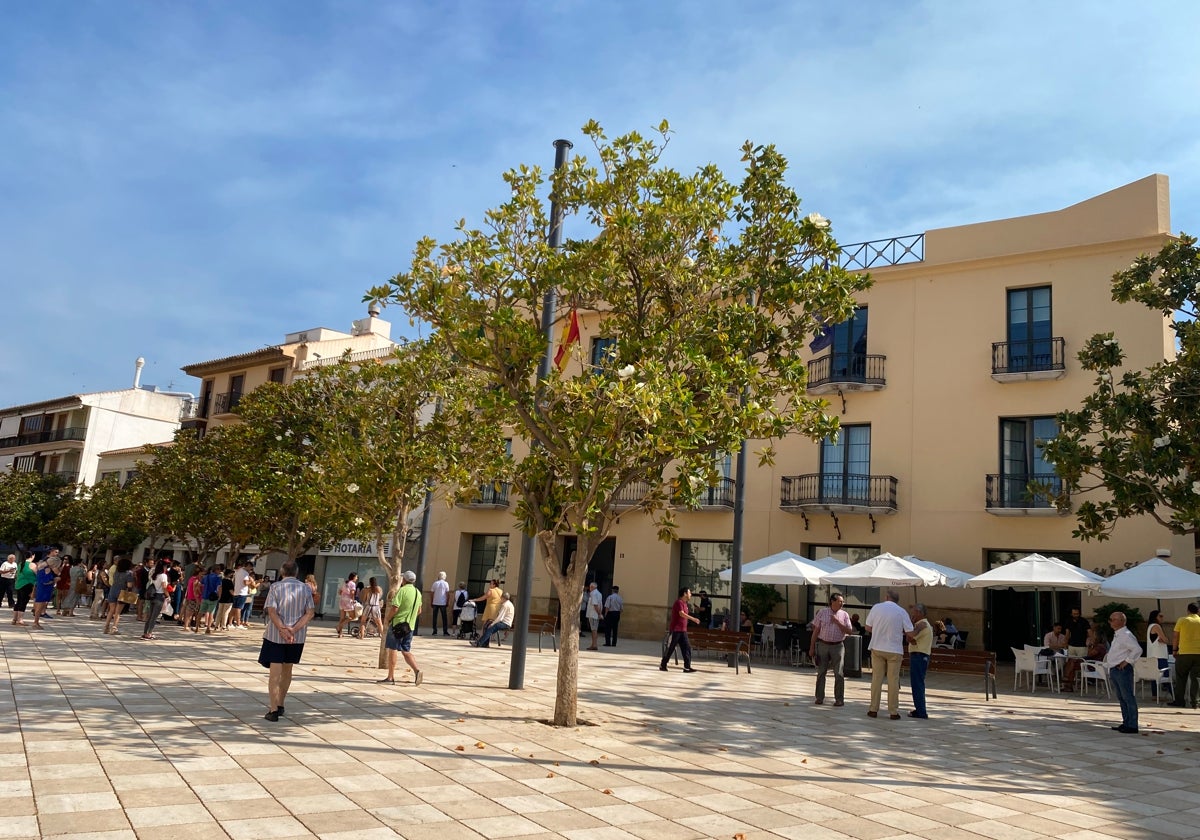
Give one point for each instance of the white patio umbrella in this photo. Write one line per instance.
(1036, 572)
(1155, 578)
(952, 578)
(783, 568)
(884, 570)
(831, 564)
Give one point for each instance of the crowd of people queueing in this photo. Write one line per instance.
(210, 599)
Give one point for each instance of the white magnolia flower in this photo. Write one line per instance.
(278, 437)
(688, 262)
(1109, 342)
(358, 520)
(306, 441)
(1160, 442)
(695, 481)
(317, 468)
(818, 220)
(625, 372)
(288, 433)
(352, 488)
(1196, 487)
(1196, 289)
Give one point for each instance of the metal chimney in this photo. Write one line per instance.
(137, 375)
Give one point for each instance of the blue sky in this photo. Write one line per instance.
(184, 181)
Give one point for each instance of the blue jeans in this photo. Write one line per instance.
(1122, 682)
(493, 628)
(918, 667)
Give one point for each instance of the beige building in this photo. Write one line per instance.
(224, 381)
(946, 381)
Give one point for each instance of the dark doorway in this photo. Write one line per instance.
(1013, 618)
(600, 569)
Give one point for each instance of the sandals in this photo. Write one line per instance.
(387, 680)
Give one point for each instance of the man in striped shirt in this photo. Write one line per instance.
(289, 609)
(830, 629)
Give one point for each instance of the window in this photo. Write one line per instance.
(114, 476)
(847, 343)
(604, 352)
(699, 564)
(25, 463)
(205, 397)
(236, 383)
(35, 423)
(130, 475)
(857, 597)
(276, 375)
(1022, 459)
(489, 559)
(1029, 331)
(846, 464)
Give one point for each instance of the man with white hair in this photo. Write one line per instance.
(889, 625)
(504, 621)
(1124, 651)
(403, 609)
(441, 598)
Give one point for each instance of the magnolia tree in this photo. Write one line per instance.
(709, 289)
(387, 432)
(1137, 436)
(101, 517)
(28, 502)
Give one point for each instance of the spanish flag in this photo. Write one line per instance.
(570, 335)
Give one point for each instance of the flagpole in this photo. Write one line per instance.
(516, 669)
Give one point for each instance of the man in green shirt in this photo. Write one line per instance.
(404, 606)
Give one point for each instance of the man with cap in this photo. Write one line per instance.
(403, 609)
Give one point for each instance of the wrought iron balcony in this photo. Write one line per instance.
(67, 476)
(491, 496)
(1011, 495)
(898, 250)
(1020, 361)
(632, 494)
(838, 493)
(72, 433)
(846, 372)
(226, 403)
(719, 497)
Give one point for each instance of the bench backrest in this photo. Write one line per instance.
(538, 621)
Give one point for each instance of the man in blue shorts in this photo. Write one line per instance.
(289, 609)
(404, 606)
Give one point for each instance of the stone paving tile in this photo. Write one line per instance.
(678, 759)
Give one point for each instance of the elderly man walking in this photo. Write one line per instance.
(830, 629)
(289, 609)
(1124, 651)
(889, 625)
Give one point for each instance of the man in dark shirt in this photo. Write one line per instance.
(1077, 628)
(705, 611)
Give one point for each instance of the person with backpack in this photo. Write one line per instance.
(461, 596)
(154, 595)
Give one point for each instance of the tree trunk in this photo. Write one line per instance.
(569, 588)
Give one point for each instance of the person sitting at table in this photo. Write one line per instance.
(940, 636)
(747, 626)
(950, 628)
(1056, 639)
(1097, 649)
(856, 623)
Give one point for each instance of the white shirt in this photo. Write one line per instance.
(1124, 649)
(507, 613)
(239, 580)
(595, 604)
(440, 590)
(161, 583)
(888, 622)
(8, 569)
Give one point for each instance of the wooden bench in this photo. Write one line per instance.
(543, 624)
(729, 642)
(960, 661)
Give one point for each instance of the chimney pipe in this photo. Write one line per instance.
(137, 375)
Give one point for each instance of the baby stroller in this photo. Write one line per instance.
(466, 621)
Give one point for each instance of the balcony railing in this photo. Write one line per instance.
(68, 476)
(631, 494)
(1012, 495)
(1041, 358)
(54, 436)
(226, 403)
(719, 496)
(838, 493)
(848, 371)
(898, 250)
(490, 496)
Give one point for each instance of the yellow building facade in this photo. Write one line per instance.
(945, 381)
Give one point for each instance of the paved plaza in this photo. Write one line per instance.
(113, 737)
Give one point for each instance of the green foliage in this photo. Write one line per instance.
(1137, 435)
(99, 518)
(28, 502)
(759, 600)
(1133, 618)
(710, 289)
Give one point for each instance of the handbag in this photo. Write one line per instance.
(127, 596)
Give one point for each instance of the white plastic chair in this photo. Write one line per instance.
(1027, 662)
(1094, 672)
(1146, 670)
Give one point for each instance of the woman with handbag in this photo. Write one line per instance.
(98, 576)
(120, 593)
(156, 593)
